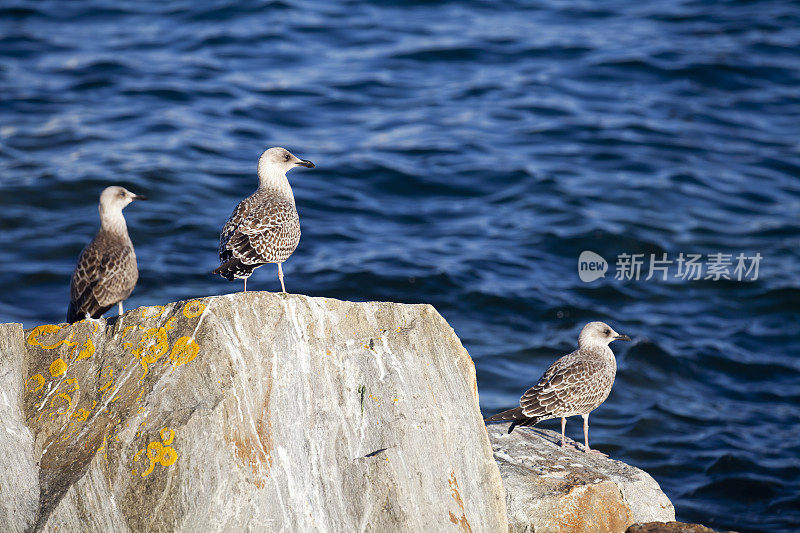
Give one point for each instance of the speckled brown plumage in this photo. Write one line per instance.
(575, 384)
(264, 228)
(106, 274)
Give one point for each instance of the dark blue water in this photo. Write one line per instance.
(466, 153)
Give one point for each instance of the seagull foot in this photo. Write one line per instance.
(595, 452)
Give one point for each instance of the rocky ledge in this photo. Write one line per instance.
(260, 411)
(549, 488)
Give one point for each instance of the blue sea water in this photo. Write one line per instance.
(467, 152)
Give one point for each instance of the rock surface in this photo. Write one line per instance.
(670, 527)
(250, 411)
(554, 489)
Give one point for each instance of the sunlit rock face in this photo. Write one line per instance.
(555, 489)
(252, 410)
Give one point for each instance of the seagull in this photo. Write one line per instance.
(106, 272)
(575, 384)
(264, 227)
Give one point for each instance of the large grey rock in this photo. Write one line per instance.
(250, 411)
(19, 484)
(554, 489)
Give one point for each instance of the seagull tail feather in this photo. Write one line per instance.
(231, 269)
(516, 415)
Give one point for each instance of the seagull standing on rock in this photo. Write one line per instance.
(576, 384)
(264, 227)
(107, 272)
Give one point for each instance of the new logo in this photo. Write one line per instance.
(591, 266)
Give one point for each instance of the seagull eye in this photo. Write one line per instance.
(286, 157)
(608, 332)
(122, 194)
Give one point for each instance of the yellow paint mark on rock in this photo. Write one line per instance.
(38, 383)
(58, 367)
(45, 329)
(184, 351)
(193, 309)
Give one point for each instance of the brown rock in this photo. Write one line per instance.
(669, 527)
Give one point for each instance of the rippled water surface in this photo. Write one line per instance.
(466, 153)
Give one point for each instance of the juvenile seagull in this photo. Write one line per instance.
(576, 384)
(106, 273)
(264, 227)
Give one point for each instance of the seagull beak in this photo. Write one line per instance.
(305, 163)
(622, 338)
(139, 197)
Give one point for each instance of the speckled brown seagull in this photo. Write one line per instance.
(106, 273)
(264, 227)
(576, 384)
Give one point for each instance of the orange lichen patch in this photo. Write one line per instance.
(157, 452)
(193, 309)
(596, 507)
(87, 350)
(170, 325)
(184, 351)
(74, 383)
(107, 375)
(45, 330)
(58, 367)
(153, 345)
(81, 414)
(63, 399)
(461, 521)
(167, 435)
(152, 311)
(35, 383)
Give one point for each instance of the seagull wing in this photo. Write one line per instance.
(566, 387)
(260, 232)
(100, 280)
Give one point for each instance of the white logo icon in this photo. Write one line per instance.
(591, 266)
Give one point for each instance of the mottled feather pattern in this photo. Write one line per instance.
(106, 274)
(264, 228)
(575, 384)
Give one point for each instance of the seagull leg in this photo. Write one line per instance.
(563, 426)
(245, 285)
(120, 308)
(280, 277)
(586, 437)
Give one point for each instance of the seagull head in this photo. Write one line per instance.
(280, 160)
(115, 198)
(599, 334)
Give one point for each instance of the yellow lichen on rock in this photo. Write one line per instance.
(193, 308)
(184, 351)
